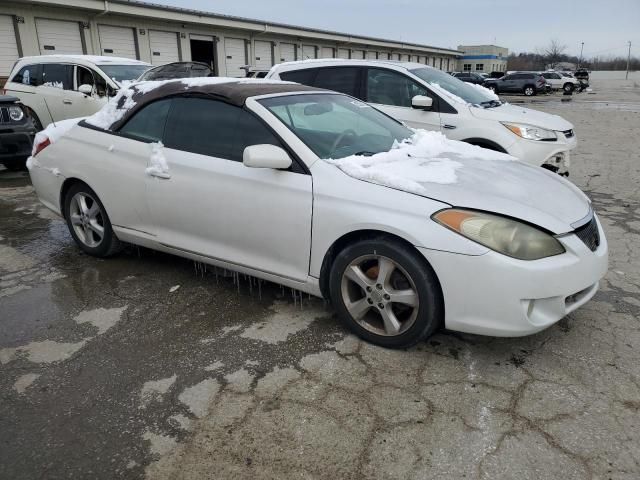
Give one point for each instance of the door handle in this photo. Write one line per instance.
(448, 127)
(66, 101)
(158, 174)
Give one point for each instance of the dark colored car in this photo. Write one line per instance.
(497, 74)
(527, 83)
(16, 133)
(177, 70)
(470, 77)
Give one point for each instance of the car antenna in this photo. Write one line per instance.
(45, 104)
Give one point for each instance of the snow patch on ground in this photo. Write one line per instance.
(24, 382)
(153, 390)
(158, 163)
(286, 320)
(239, 381)
(46, 351)
(198, 397)
(160, 444)
(101, 318)
(424, 158)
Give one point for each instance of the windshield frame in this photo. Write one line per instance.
(261, 100)
(471, 95)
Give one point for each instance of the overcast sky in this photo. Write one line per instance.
(604, 26)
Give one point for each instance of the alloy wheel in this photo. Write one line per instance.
(380, 295)
(87, 219)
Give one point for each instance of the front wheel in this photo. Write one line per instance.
(89, 223)
(386, 293)
(529, 91)
(568, 87)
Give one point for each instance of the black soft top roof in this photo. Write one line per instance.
(233, 91)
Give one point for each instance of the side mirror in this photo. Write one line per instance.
(422, 102)
(85, 89)
(265, 156)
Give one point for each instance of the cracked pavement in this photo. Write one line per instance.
(107, 370)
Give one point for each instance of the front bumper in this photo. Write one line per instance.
(496, 295)
(555, 155)
(15, 143)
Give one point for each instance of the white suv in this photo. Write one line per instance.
(57, 87)
(423, 97)
(559, 81)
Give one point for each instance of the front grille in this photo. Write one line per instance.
(589, 234)
(568, 133)
(4, 115)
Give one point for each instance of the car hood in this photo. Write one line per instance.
(514, 189)
(511, 113)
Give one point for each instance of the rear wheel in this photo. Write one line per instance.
(568, 87)
(386, 293)
(89, 223)
(529, 90)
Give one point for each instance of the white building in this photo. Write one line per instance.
(483, 58)
(159, 34)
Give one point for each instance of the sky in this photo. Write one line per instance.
(605, 26)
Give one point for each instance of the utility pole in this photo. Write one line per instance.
(626, 77)
(581, 48)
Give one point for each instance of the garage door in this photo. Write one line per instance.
(343, 53)
(235, 56)
(371, 55)
(58, 37)
(359, 54)
(164, 47)
(9, 50)
(117, 41)
(404, 57)
(264, 57)
(308, 51)
(326, 52)
(287, 52)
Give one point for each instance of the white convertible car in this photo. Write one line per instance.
(404, 231)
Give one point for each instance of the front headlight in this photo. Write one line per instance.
(531, 132)
(504, 235)
(15, 113)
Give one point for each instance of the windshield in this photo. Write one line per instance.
(452, 85)
(121, 73)
(336, 126)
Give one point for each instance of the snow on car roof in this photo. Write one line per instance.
(97, 59)
(232, 90)
(310, 61)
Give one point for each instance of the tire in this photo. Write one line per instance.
(86, 220)
(368, 275)
(529, 90)
(568, 87)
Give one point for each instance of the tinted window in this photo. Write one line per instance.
(57, 75)
(84, 76)
(391, 88)
(304, 77)
(343, 80)
(203, 126)
(251, 131)
(29, 75)
(148, 123)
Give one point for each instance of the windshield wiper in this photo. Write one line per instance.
(491, 103)
(364, 153)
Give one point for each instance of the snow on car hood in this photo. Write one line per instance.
(464, 175)
(511, 113)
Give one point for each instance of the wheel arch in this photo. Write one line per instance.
(352, 237)
(485, 143)
(66, 186)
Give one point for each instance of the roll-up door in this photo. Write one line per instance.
(263, 55)
(343, 53)
(404, 57)
(117, 41)
(326, 52)
(308, 51)
(359, 54)
(235, 56)
(287, 52)
(371, 55)
(164, 47)
(58, 37)
(9, 50)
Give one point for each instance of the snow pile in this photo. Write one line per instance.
(114, 110)
(446, 93)
(157, 163)
(424, 158)
(485, 91)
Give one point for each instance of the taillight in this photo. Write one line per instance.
(41, 145)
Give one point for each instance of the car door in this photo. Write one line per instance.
(84, 105)
(392, 91)
(56, 90)
(208, 202)
(507, 83)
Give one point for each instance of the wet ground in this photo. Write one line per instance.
(145, 365)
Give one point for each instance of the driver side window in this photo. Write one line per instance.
(388, 87)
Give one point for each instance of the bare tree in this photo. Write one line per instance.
(554, 52)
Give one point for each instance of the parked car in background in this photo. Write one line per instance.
(56, 87)
(404, 232)
(177, 70)
(559, 81)
(518, 82)
(16, 133)
(470, 77)
(424, 97)
(497, 74)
